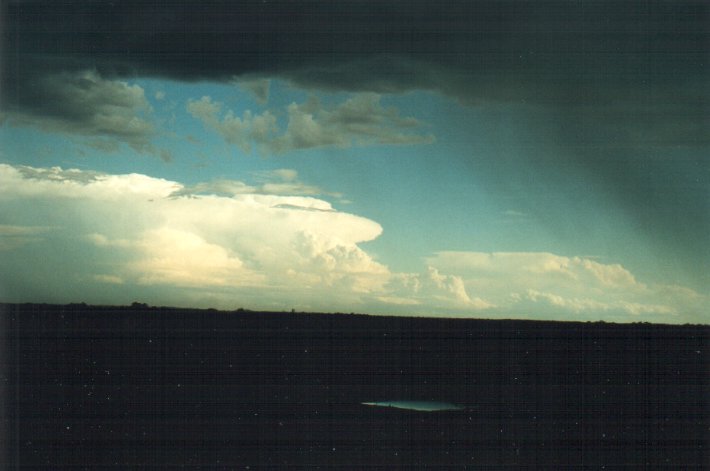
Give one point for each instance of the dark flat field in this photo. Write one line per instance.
(92, 387)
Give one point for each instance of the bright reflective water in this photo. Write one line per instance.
(424, 406)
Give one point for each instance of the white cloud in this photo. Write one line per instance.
(183, 258)
(281, 246)
(540, 284)
(399, 301)
(536, 268)
(55, 182)
(109, 279)
(580, 306)
(178, 258)
(275, 182)
(334, 263)
(103, 238)
(446, 291)
(100, 240)
(610, 275)
(360, 120)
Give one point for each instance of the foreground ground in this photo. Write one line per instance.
(131, 387)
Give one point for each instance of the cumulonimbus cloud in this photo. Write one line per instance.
(134, 230)
(103, 238)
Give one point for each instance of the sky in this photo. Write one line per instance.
(487, 159)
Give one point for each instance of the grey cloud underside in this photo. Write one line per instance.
(558, 53)
(583, 58)
(547, 51)
(84, 103)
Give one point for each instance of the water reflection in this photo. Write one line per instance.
(425, 406)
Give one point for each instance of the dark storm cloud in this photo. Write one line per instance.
(559, 51)
(638, 68)
(85, 104)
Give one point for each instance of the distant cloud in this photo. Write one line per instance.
(110, 279)
(275, 182)
(12, 237)
(511, 213)
(534, 264)
(84, 104)
(14, 231)
(259, 88)
(432, 288)
(104, 145)
(556, 304)
(106, 237)
(184, 258)
(149, 238)
(286, 175)
(544, 284)
(361, 120)
(243, 132)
